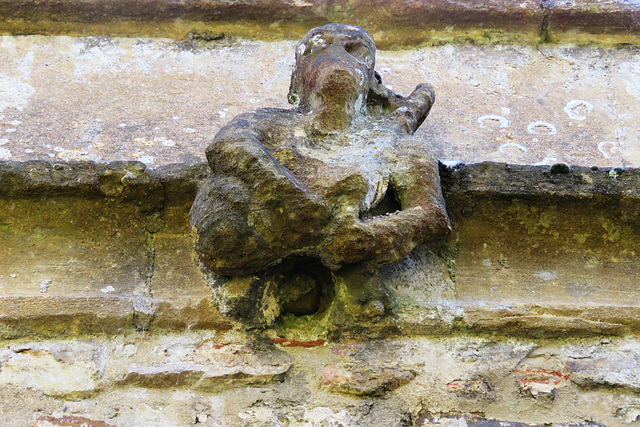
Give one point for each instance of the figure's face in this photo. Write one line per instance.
(334, 70)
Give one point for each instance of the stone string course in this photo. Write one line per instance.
(392, 23)
(148, 347)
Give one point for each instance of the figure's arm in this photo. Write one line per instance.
(414, 109)
(276, 214)
(422, 218)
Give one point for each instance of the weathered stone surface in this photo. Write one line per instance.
(364, 380)
(607, 365)
(148, 416)
(181, 296)
(493, 95)
(583, 21)
(459, 379)
(57, 370)
(540, 382)
(209, 367)
(542, 279)
(393, 23)
(66, 421)
(311, 201)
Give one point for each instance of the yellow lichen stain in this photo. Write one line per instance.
(535, 219)
(586, 178)
(144, 141)
(581, 237)
(593, 263)
(613, 231)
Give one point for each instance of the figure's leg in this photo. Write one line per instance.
(225, 240)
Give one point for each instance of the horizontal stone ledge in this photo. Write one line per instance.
(523, 236)
(392, 23)
(558, 180)
(134, 181)
(547, 320)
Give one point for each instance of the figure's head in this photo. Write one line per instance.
(333, 72)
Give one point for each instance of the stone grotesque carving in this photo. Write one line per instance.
(322, 194)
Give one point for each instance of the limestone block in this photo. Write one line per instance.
(361, 380)
(57, 370)
(496, 105)
(608, 365)
(181, 296)
(207, 367)
(148, 416)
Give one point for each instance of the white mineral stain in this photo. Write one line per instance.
(503, 121)
(607, 148)
(5, 154)
(546, 161)
(102, 57)
(573, 111)
(147, 160)
(166, 142)
(44, 285)
(14, 93)
(452, 163)
(629, 72)
(546, 275)
(72, 155)
(24, 66)
(107, 289)
(503, 147)
(533, 126)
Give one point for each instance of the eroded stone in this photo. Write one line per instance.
(321, 195)
(59, 371)
(362, 380)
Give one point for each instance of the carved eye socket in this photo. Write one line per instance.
(359, 51)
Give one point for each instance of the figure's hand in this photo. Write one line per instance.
(388, 238)
(415, 108)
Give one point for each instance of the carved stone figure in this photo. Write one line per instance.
(305, 200)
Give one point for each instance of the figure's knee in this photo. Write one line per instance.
(224, 240)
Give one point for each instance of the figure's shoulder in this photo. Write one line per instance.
(262, 119)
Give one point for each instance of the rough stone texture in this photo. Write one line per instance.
(587, 94)
(364, 380)
(58, 370)
(84, 259)
(312, 200)
(478, 381)
(391, 22)
(538, 270)
(583, 21)
(160, 102)
(156, 284)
